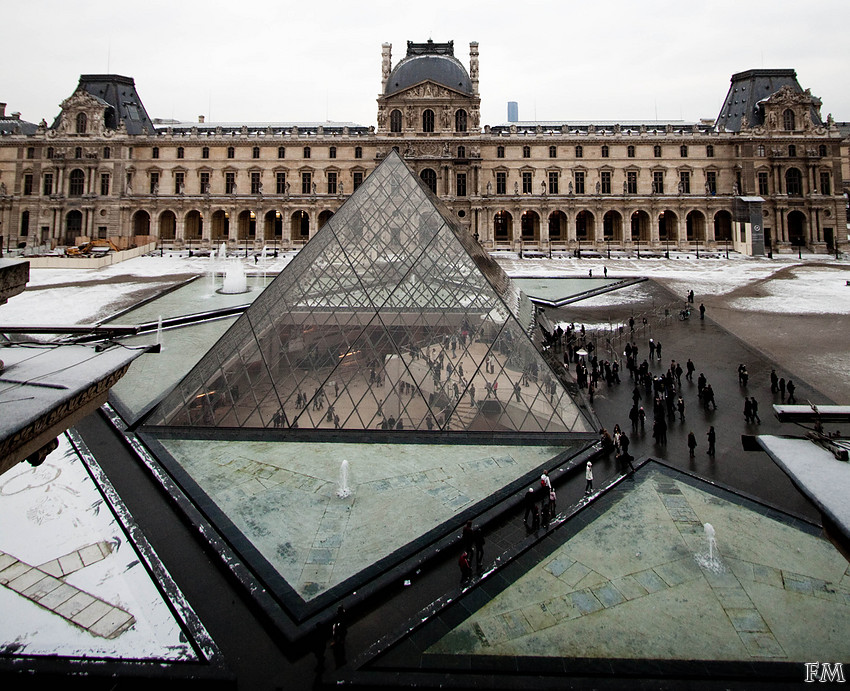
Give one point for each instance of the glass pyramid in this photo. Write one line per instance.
(389, 318)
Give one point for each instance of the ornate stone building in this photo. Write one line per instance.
(769, 174)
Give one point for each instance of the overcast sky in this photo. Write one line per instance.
(265, 60)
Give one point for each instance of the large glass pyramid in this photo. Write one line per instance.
(389, 318)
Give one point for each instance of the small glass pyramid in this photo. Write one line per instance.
(390, 318)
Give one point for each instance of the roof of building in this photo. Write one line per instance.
(119, 93)
(12, 124)
(748, 89)
(429, 62)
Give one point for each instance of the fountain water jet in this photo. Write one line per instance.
(344, 489)
(159, 333)
(711, 560)
(235, 280)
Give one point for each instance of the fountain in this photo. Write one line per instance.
(344, 490)
(159, 333)
(235, 280)
(710, 560)
(222, 251)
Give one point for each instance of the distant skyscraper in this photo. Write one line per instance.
(513, 111)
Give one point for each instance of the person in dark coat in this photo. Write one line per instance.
(530, 502)
(701, 311)
(692, 444)
(691, 368)
(465, 568)
(478, 545)
(791, 388)
(774, 381)
(748, 409)
(754, 410)
(712, 438)
(782, 387)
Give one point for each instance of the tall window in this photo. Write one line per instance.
(460, 186)
(76, 183)
(231, 152)
(460, 121)
(78, 152)
(605, 151)
(357, 178)
(155, 152)
(631, 182)
(501, 182)
(428, 120)
(82, 123)
(255, 152)
(332, 152)
(280, 183)
(47, 186)
(760, 151)
(25, 224)
(656, 151)
(306, 183)
(793, 182)
(579, 151)
(205, 183)
(30, 152)
(711, 181)
(825, 186)
(709, 150)
(332, 176)
(605, 180)
(229, 183)
(630, 151)
(255, 182)
(104, 184)
(553, 182)
(792, 150)
(358, 152)
(395, 121)
(763, 182)
(500, 152)
(553, 152)
(579, 180)
(180, 152)
(281, 152)
(823, 150)
(306, 152)
(154, 183)
(683, 151)
(50, 152)
(685, 181)
(179, 182)
(658, 182)
(430, 179)
(28, 184)
(527, 182)
(788, 119)
(526, 152)
(205, 152)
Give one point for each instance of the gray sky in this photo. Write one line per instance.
(265, 60)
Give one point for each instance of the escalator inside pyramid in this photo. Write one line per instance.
(391, 318)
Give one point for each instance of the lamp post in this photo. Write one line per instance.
(608, 240)
(697, 239)
(638, 246)
(726, 240)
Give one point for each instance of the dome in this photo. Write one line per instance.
(442, 69)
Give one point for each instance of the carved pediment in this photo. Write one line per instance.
(82, 111)
(429, 89)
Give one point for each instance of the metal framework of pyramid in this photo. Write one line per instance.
(390, 318)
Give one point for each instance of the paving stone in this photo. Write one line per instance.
(676, 572)
(88, 616)
(539, 617)
(561, 609)
(724, 579)
(585, 601)
(76, 604)
(91, 554)
(743, 570)
(629, 587)
(320, 556)
(12, 571)
(733, 598)
(42, 587)
(558, 565)
(650, 581)
(56, 597)
(767, 575)
(25, 580)
(746, 620)
(6, 560)
(575, 573)
(515, 624)
(762, 645)
(70, 563)
(52, 567)
(797, 583)
(608, 595)
(493, 630)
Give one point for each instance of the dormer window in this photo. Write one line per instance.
(788, 120)
(428, 121)
(82, 123)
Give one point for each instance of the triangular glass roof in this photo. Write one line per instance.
(390, 317)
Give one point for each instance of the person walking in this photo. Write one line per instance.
(774, 381)
(754, 410)
(478, 545)
(680, 406)
(791, 389)
(748, 410)
(691, 368)
(530, 502)
(692, 444)
(782, 387)
(465, 568)
(588, 476)
(701, 311)
(658, 350)
(712, 438)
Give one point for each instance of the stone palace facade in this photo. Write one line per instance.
(105, 169)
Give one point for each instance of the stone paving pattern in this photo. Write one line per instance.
(629, 586)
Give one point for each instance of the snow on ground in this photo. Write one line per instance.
(810, 289)
(56, 509)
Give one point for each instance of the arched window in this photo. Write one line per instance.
(395, 121)
(709, 150)
(793, 182)
(792, 151)
(500, 152)
(788, 120)
(579, 151)
(429, 177)
(306, 152)
(76, 183)
(760, 150)
(428, 120)
(656, 151)
(181, 152)
(82, 123)
(461, 152)
(553, 152)
(683, 151)
(460, 121)
(526, 152)
(358, 152)
(605, 151)
(231, 152)
(281, 152)
(205, 152)
(255, 152)
(155, 152)
(630, 151)
(332, 152)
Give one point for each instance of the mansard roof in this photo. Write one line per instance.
(429, 62)
(118, 93)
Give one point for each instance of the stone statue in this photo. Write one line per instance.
(830, 121)
(516, 188)
(410, 117)
(570, 187)
(745, 122)
(772, 119)
(382, 118)
(489, 188)
(260, 188)
(734, 189)
(598, 187)
(341, 190)
(314, 188)
(475, 118)
(155, 190)
(180, 188)
(286, 192)
(807, 120)
(447, 117)
(543, 187)
(3, 189)
(680, 187)
(625, 187)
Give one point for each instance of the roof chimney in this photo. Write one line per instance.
(201, 119)
(16, 116)
(2, 110)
